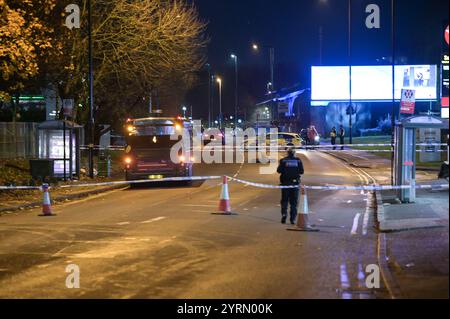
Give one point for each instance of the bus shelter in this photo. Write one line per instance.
(405, 151)
(59, 141)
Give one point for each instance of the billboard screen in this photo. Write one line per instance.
(372, 83)
(330, 83)
(421, 78)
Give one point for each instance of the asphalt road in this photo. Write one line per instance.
(164, 242)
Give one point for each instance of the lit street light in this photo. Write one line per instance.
(184, 108)
(219, 81)
(271, 62)
(236, 98)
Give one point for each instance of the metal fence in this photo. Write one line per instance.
(18, 140)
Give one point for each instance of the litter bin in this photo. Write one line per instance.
(104, 164)
(40, 169)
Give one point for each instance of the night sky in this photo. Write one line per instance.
(292, 27)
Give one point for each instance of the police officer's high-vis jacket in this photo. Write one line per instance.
(290, 168)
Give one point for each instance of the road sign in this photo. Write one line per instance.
(68, 107)
(446, 36)
(283, 107)
(408, 102)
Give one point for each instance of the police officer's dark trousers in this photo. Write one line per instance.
(289, 196)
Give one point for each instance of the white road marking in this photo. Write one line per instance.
(365, 223)
(123, 223)
(349, 201)
(153, 220)
(355, 224)
(345, 283)
(197, 205)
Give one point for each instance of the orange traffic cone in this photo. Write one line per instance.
(46, 204)
(302, 218)
(224, 204)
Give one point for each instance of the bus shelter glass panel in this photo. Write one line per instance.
(51, 146)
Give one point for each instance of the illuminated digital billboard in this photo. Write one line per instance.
(330, 83)
(372, 83)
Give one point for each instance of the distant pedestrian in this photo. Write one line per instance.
(333, 136)
(342, 137)
(290, 170)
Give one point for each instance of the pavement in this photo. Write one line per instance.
(33, 198)
(163, 242)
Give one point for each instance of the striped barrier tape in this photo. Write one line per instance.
(349, 145)
(20, 187)
(342, 187)
(145, 181)
(121, 148)
(110, 148)
(258, 185)
(115, 183)
(385, 151)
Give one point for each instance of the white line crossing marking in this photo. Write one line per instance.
(153, 220)
(355, 224)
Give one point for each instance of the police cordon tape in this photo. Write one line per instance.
(115, 183)
(258, 185)
(122, 148)
(342, 187)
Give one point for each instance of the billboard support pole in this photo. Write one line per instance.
(393, 89)
(350, 68)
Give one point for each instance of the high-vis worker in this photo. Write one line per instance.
(290, 170)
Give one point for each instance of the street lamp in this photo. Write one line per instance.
(208, 66)
(236, 98)
(184, 108)
(271, 61)
(219, 81)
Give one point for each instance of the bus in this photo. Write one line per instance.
(148, 148)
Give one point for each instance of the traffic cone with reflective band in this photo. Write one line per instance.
(224, 204)
(46, 203)
(303, 217)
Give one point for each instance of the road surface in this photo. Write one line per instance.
(164, 242)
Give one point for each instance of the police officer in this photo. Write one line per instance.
(290, 169)
(333, 136)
